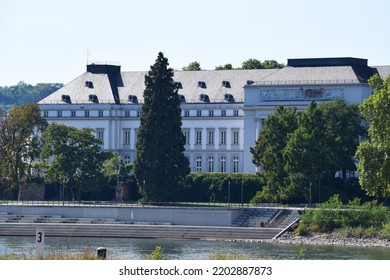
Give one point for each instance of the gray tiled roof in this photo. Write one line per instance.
(132, 83)
(312, 75)
(384, 71)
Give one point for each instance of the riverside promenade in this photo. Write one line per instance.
(227, 223)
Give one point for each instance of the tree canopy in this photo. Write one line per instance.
(160, 164)
(301, 152)
(26, 93)
(268, 152)
(373, 154)
(72, 156)
(193, 66)
(224, 67)
(19, 133)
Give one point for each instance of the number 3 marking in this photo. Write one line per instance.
(39, 239)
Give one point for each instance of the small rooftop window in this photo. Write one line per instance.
(65, 98)
(202, 84)
(226, 84)
(178, 85)
(93, 98)
(182, 98)
(249, 82)
(88, 84)
(132, 99)
(204, 98)
(228, 97)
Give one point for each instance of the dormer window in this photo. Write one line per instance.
(202, 84)
(132, 99)
(178, 85)
(228, 97)
(249, 82)
(65, 98)
(88, 84)
(204, 98)
(182, 98)
(226, 84)
(93, 98)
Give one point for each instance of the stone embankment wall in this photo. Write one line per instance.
(174, 215)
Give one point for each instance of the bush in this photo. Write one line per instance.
(351, 220)
(213, 187)
(385, 232)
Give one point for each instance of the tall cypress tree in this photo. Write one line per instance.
(160, 164)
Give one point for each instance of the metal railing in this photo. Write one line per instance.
(307, 82)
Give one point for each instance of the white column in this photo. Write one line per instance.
(259, 126)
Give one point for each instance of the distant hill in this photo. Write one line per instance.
(25, 93)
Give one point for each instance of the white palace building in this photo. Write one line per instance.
(222, 110)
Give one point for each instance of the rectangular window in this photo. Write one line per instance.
(211, 113)
(127, 159)
(236, 137)
(210, 137)
(186, 113)
(186, 134)
(235, 113)
(223, 113)
(59, 114)
(235, 164)
(222, 137)
(101, 113)
(100, 134)
(138, 114)
(86, 113)
(223, 164)
(45, 114)
(126, 137)
(198, 140)
(199, 113)
(211, 164)
(198, 164)
(73, 114)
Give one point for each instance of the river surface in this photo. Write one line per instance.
(137, 249)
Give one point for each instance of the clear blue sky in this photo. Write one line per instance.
(47, 41)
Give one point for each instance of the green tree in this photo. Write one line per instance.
(272, 64)
(72, 156)
(268, 153)
(373, 155)
(324, 143)
(252, 63)
(343, 125)
(25, 93)
(161, 164)
(224, 67)
(307, 151)
(19, 133)
(193, 66)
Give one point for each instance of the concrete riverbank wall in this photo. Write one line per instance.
(223, 217)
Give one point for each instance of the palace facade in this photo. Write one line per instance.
(222, 110)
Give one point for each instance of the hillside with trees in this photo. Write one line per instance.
(22, 93)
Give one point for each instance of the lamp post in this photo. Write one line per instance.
(63, 192)
(242, 192)
(229, 193)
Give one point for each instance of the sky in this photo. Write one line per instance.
(45, 41)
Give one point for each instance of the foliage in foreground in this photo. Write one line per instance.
(354, 219)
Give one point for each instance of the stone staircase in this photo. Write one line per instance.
(255, 217)
(139, 231)
(36, 219)
(253, 223)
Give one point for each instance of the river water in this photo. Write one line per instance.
(137, 249)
